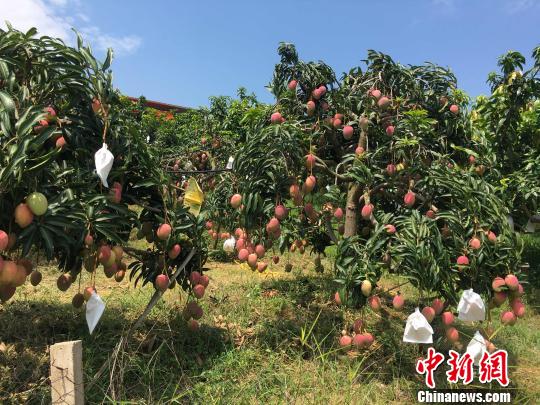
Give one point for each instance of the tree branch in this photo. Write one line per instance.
(141, 204)
(158, 293)
(329, 229)
(136, 253)
(153, 301)
(323, 165)
(198, 171)
(373, 190)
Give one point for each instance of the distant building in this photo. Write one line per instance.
(166, 109)
(156, 105)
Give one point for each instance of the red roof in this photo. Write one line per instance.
(161, 106)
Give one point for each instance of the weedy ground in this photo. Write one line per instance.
(264, 338)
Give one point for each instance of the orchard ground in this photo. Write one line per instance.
(264, 338)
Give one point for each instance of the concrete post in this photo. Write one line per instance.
(67, 373)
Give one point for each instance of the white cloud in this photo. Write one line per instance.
(100, 40)
(445, 3)
(56, 17)
(444, 6)
(59, 3)
(83, 17)
(509, 6)
(517, 6)
(25, 14)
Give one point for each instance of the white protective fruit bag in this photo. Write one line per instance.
(94, 309)
(471, 307)
(511, 222)
(532, 224)
(418, 329)
(476, 347)
(104, 161)
(230, 163)
(229, 244)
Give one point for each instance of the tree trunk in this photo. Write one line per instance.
(218, 237)
(353, 194)
(351, 211)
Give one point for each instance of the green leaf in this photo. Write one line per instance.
(108, 60)
(49, 244)
(7, 101)
(4, 70)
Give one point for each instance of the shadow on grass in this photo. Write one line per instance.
(164, 362)
(532, 299)
(306, 308)
(311, 310)
(159, 359)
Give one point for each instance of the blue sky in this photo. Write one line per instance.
(182, 52)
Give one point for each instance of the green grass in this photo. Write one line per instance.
(531, 255)
(265, 338)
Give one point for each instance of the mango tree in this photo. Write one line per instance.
(377, 163)
(58, 107)
(506, 131)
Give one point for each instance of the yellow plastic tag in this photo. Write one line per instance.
(193, 197)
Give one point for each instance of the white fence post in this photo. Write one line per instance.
(67, 373)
